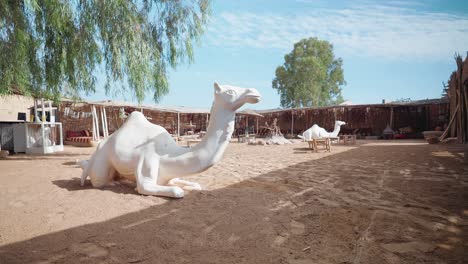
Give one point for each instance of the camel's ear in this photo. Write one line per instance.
(217, 88)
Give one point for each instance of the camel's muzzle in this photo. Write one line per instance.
(252, 96)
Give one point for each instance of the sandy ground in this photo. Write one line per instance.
(375, 202)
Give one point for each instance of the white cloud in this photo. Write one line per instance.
(389, 32)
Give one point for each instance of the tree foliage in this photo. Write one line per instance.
(53, 47)
(310, 75)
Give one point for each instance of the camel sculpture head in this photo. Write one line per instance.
(340, 123)
(232, 97)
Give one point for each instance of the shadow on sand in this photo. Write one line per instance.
(73, 185)
(344, 208)
(46, 156)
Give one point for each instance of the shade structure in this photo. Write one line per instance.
(249, 112)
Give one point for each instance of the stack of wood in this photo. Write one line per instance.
(457, 91)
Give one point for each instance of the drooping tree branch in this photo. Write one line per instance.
(53, 48)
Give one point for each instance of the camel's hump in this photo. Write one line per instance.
(139, 129)
(136, 118)
(137, 121)
(136, 115)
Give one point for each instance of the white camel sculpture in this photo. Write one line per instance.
(147, 153)
(318, 132)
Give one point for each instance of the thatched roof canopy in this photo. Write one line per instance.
(249, 112)
(171, 109)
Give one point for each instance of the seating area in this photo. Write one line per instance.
(82, 138)
(327, 142)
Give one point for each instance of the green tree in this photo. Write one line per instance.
(50, 48)
(310, 75)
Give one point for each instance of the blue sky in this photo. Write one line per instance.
(390, 49)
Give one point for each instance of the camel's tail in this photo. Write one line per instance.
(84, 164)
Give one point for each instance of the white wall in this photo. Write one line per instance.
(10, 105)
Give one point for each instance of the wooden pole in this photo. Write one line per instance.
(50, 112)
(292, 122)
(102, 122)
(256, 132)
(43, 132)
(247, 124)
(43, 112)
(35, 111)
(391, 117)
(442, 137)
(96, 121)
(465, 102)
(94, 125)
(97, 126)
(178, 124)
(459, 117)
(460, 102)
(453, 102)
(61, 134)
(105, 122)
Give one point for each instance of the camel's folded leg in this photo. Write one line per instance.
(111, 177)
(147, 175)
(186, 185)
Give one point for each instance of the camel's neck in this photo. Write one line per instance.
(218, 134)
(206, 153)
(335, 131)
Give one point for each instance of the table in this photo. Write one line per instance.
(190, 141)
(334, 139)
(242, 137)
(348, 139)
(313, 143)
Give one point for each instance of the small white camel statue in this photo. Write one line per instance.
(318, 132)
(147, 153)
